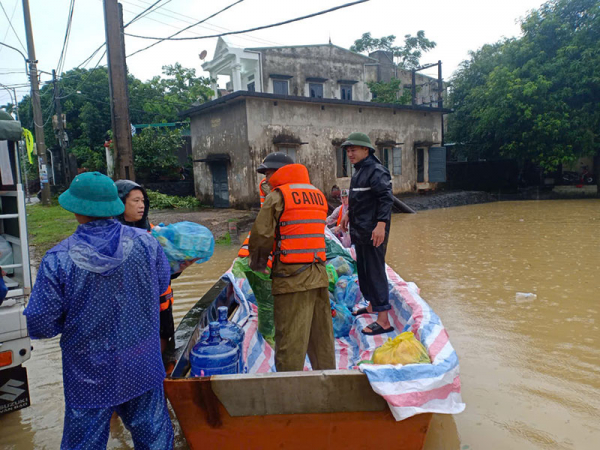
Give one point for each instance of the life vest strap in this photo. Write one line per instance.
(295, 222)
(299, 250)
(300, 236)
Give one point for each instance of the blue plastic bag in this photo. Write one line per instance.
(341, 266)
(347, 292)
(183, 241)
(342, 319)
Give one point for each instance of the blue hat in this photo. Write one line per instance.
(92, 194)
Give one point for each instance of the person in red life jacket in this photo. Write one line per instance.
(271, 163)
(137, 206)
(369, 216)
(335, 219)
(291, 224)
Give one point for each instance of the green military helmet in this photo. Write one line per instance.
(92, 194)
(360, 139)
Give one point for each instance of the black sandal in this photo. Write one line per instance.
(360, 311)
(377, 329)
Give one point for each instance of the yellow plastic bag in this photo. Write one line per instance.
(403, 349)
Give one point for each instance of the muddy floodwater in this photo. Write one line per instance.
(530, 367)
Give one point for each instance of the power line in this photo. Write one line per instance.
(11, 17)
(208, 26)
(11, 26)
(186, 28)
(140, 15)
(87, 76)
(63, 53)
(170, 38)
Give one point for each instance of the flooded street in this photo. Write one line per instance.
(530, 369)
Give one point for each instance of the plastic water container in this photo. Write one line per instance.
(231, 331)
(215, 355)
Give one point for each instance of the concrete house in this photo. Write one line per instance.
(304, 101)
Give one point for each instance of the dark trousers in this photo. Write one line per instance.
(372, 279)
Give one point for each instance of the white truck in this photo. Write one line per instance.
(15, 346)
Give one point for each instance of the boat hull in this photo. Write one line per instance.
(208, 424)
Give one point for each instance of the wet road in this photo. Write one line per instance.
(530, 370)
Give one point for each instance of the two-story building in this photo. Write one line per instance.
(304, 101)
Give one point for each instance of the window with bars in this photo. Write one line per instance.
(290, 151)
(280, 87)
(397, 161)
(346, 92)
(315, 90)
(344, 166)
(384, 156)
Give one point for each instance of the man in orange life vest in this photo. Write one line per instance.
(271, 163)
(291, 224)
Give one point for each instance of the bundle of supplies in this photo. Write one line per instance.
(184, 241)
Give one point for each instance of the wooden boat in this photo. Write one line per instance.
(292, 410)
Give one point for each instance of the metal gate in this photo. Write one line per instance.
(220, 184)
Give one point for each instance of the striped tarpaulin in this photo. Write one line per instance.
(410, 389)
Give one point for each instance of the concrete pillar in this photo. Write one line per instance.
(214, 86)
(236, 77)
(257, 80)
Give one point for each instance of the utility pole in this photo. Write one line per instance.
(60, 126)
(119, 96)
(38, 123)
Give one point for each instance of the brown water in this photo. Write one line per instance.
(530, 370)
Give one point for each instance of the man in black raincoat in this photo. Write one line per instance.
(369, 216)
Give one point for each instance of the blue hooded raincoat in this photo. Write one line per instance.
(100, 288)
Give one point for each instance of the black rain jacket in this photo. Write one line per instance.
(370, 199)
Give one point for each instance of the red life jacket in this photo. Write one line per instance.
(300, 234)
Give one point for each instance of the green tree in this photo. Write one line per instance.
(155, 153)
(391, 92)
(86, 104)
(406, 56)
(179, 89)
(534, 98)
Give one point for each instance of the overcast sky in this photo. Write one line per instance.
(457, 26)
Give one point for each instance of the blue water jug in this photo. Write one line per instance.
(231, 331)
(215, 355)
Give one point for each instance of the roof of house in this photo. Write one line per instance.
(240, 95)
(308, 46)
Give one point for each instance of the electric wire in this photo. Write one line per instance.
(186, 28)
(11, 17)
(11, 26)
(143, 13)
(63, 53)
(285, 22)
(209, 26)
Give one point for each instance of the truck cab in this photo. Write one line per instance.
(15, 345)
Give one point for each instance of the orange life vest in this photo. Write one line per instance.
(263, 194)
(244, 253)
(166, 298)
(341, 215)
(300, 234)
